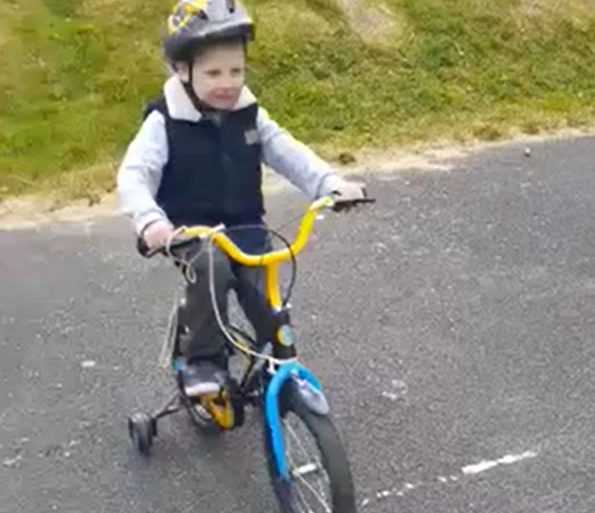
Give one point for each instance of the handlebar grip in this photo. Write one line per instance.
(180, 244)
(144, 250)
(347, 204)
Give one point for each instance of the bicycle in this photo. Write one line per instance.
(274, 380)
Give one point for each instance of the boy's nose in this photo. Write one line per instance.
(224, 81)
(229, 83)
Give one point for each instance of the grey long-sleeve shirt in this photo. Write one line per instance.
(141, 170)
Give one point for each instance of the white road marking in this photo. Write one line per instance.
(505, 460)
(467, 470)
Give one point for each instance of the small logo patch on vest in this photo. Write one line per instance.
(252, 137)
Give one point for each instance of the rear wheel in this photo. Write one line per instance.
(320, 479)
(199, 415)
(221, 412)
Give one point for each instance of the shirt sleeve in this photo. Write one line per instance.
(294, 160)
(140, 173)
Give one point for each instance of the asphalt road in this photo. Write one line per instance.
(452, 325)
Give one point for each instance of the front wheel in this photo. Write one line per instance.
(319, 478)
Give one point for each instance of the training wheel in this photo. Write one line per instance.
(141, 429)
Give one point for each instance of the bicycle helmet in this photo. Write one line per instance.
(196, 23)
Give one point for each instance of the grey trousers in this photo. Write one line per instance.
(204, 339)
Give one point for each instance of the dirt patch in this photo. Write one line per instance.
(441, 156)
(31, 211)
(375, 24)
(540, 7)
(550, 12)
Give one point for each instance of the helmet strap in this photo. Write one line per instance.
(198, 104)
(190, 89)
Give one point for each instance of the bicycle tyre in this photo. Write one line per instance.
(333, 458)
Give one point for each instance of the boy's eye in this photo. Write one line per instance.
(213, 73)
(237, 71)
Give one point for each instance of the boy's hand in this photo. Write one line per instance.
(157, 234)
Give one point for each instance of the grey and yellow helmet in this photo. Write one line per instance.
(194, 23)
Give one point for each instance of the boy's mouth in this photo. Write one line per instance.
(227, 99)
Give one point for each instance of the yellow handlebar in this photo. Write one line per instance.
(265, 259)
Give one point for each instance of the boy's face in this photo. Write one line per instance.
(218, 75)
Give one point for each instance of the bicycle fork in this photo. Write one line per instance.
(309, 392)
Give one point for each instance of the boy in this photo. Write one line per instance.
(197, 160)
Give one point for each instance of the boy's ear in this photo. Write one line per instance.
(183, 71)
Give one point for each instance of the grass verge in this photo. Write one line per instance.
(78, 72)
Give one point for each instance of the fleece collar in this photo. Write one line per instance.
(181, 107)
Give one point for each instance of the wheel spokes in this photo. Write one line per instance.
(304, 464)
